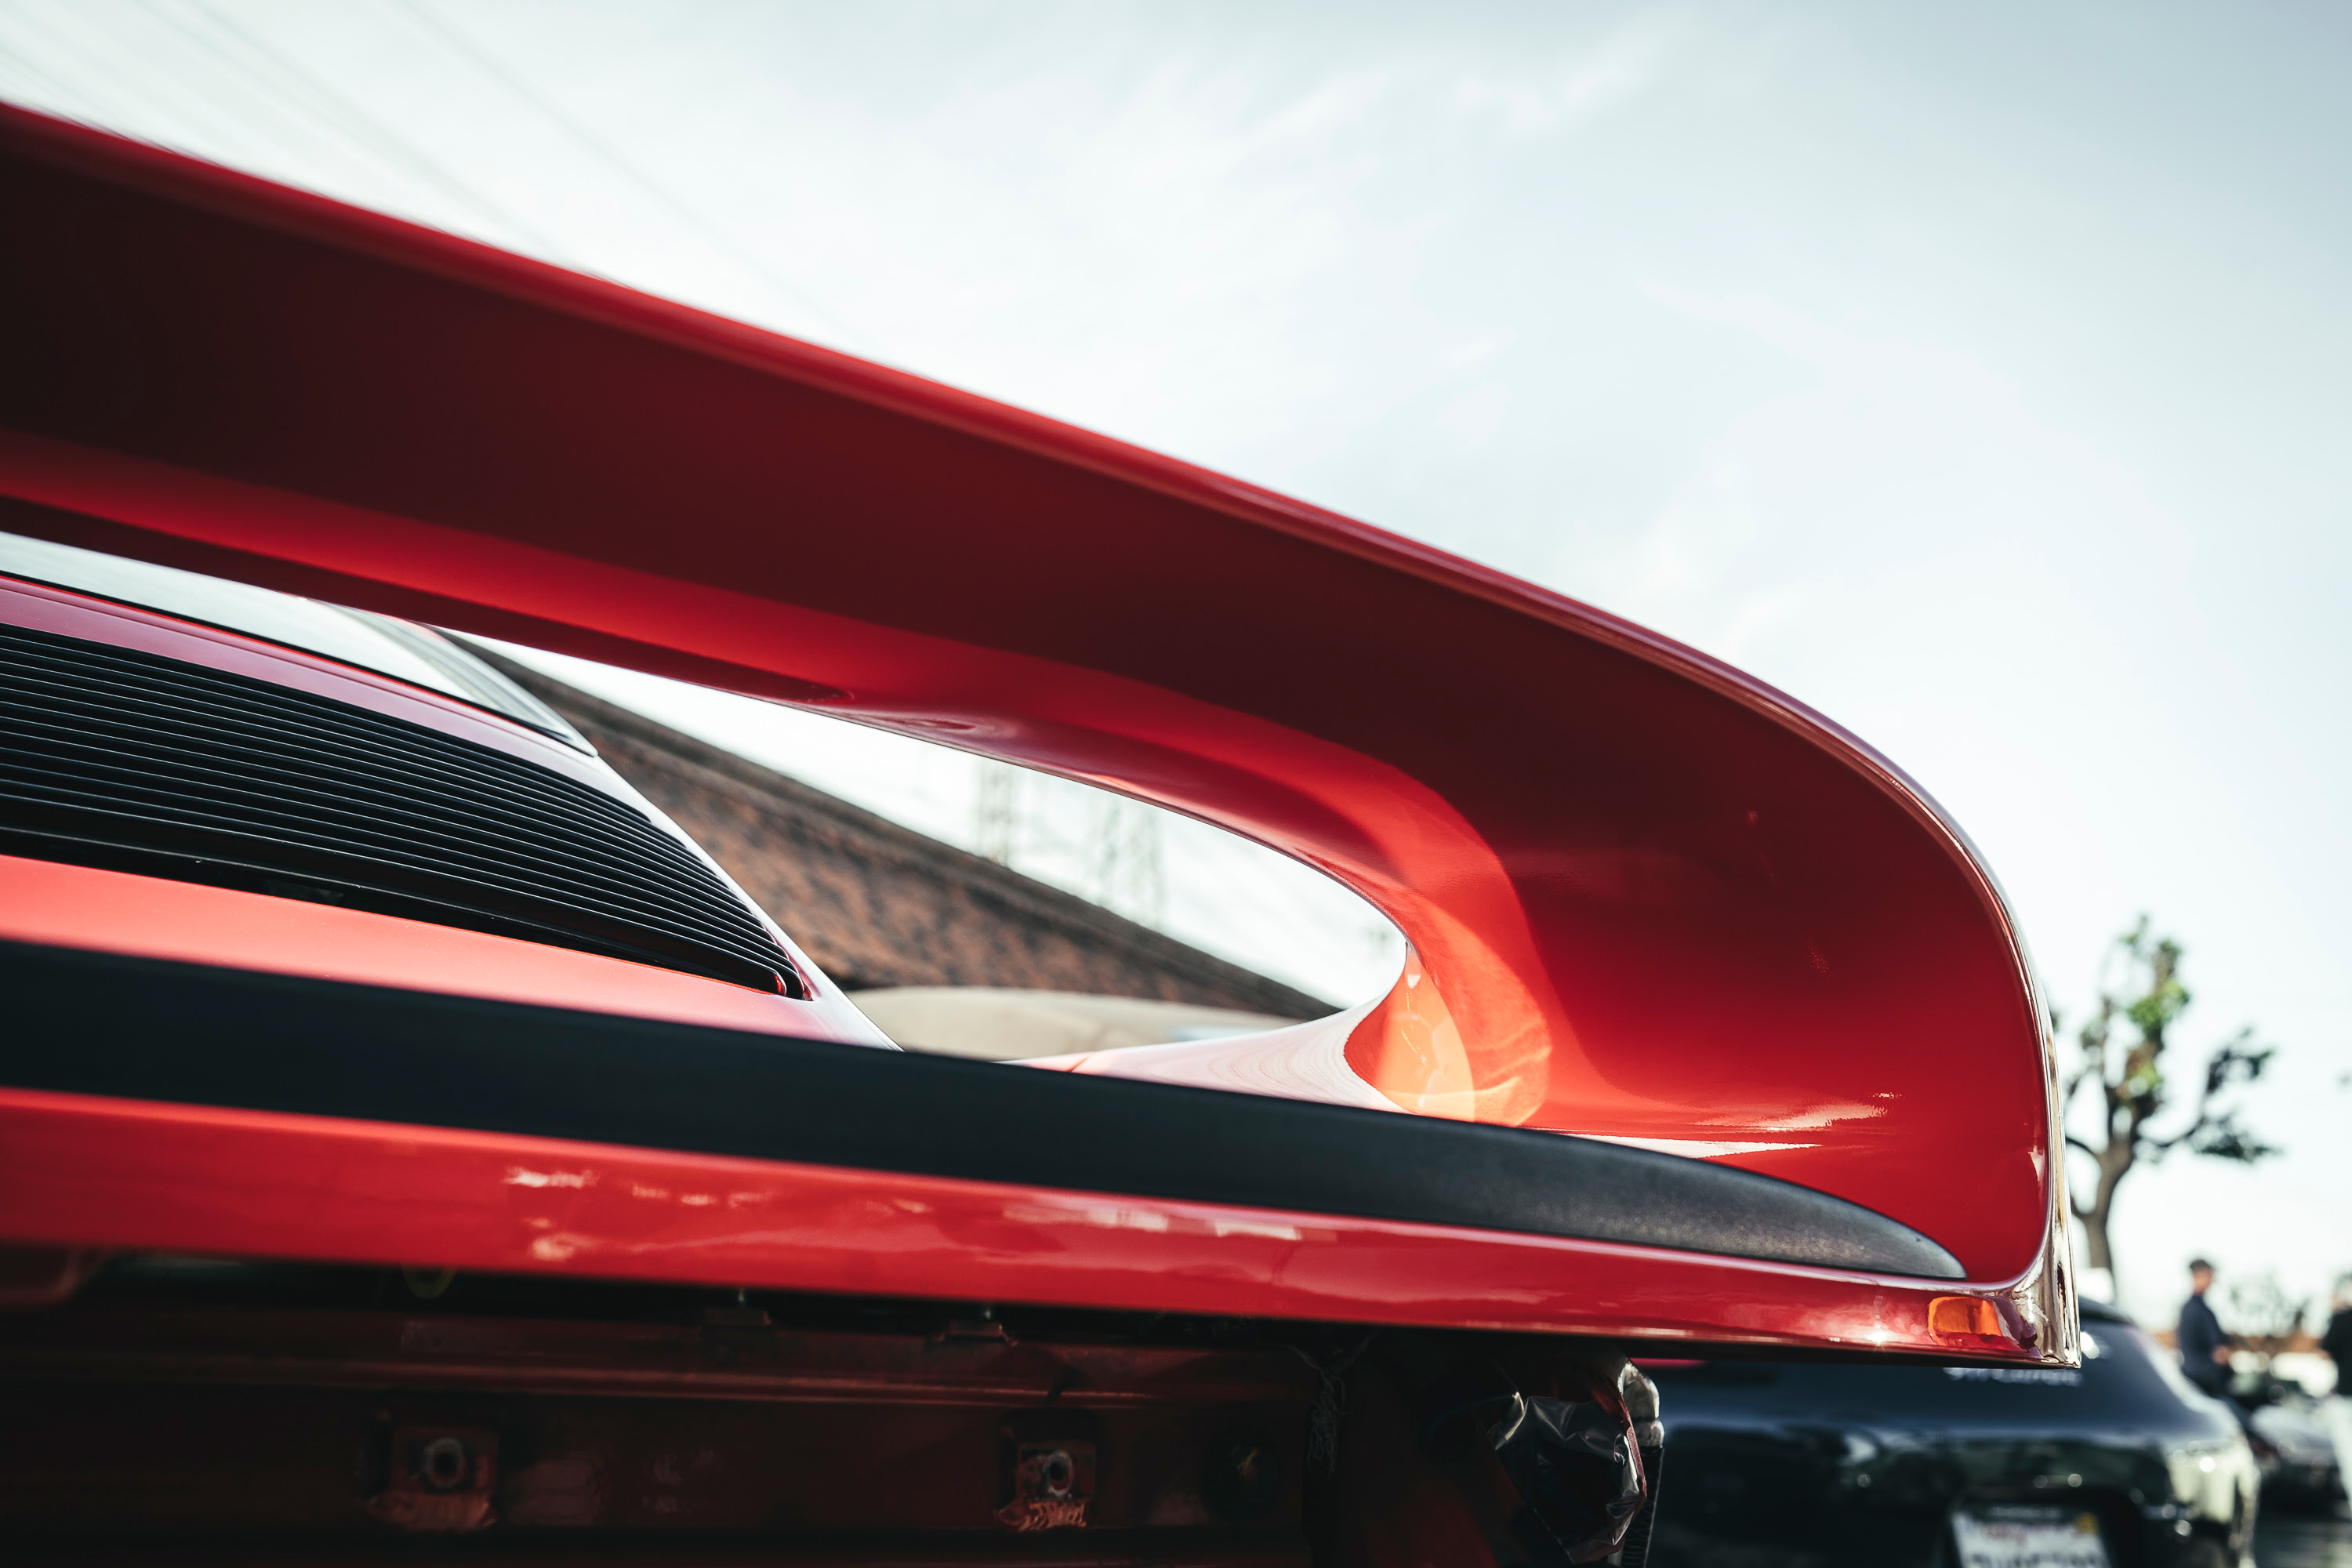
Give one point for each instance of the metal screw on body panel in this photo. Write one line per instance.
(441, 1464)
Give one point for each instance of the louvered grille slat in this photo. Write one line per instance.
(112, 755)
(129, 698)
(324, 801)
(386, 854)
(645, 844)
(332, 795)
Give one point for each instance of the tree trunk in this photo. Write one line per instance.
(2113, 1161)
(2095, 1241)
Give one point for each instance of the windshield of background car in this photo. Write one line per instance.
(401, 650)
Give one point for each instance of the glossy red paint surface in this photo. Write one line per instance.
(127, 1173)
(1655, 899)
(54, 905)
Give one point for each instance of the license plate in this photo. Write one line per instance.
(2028, 1538)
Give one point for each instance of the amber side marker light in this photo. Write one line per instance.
(1969, 1320)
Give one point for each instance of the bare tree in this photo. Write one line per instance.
(2263, 1318)
(2127, 1079)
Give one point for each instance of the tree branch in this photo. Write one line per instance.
(2141, 989)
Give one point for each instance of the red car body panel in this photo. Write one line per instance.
(1651, 898)
(98, 911)
(205, 1180)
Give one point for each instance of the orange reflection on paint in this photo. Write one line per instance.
(1410, 1049)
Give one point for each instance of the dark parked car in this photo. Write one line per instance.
(2122, 1462)
(2291, 1443)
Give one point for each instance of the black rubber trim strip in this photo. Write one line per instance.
(140, 1028)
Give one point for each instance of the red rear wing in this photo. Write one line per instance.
(1653, 900)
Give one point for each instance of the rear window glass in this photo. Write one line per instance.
(401, 650)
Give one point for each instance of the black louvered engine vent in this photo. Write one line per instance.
(116, 758)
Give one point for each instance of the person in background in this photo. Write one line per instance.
(2204, 1348)
(2335, 1344)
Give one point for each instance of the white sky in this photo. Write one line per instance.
(1980, 376)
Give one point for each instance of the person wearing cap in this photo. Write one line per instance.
(2204, 1348)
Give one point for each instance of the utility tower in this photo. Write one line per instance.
(1102, 845)
(1129, 876)
(996, 812)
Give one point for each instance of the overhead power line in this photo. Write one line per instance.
(321, 99)
(465, 44)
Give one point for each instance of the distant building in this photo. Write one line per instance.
(880, 906)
